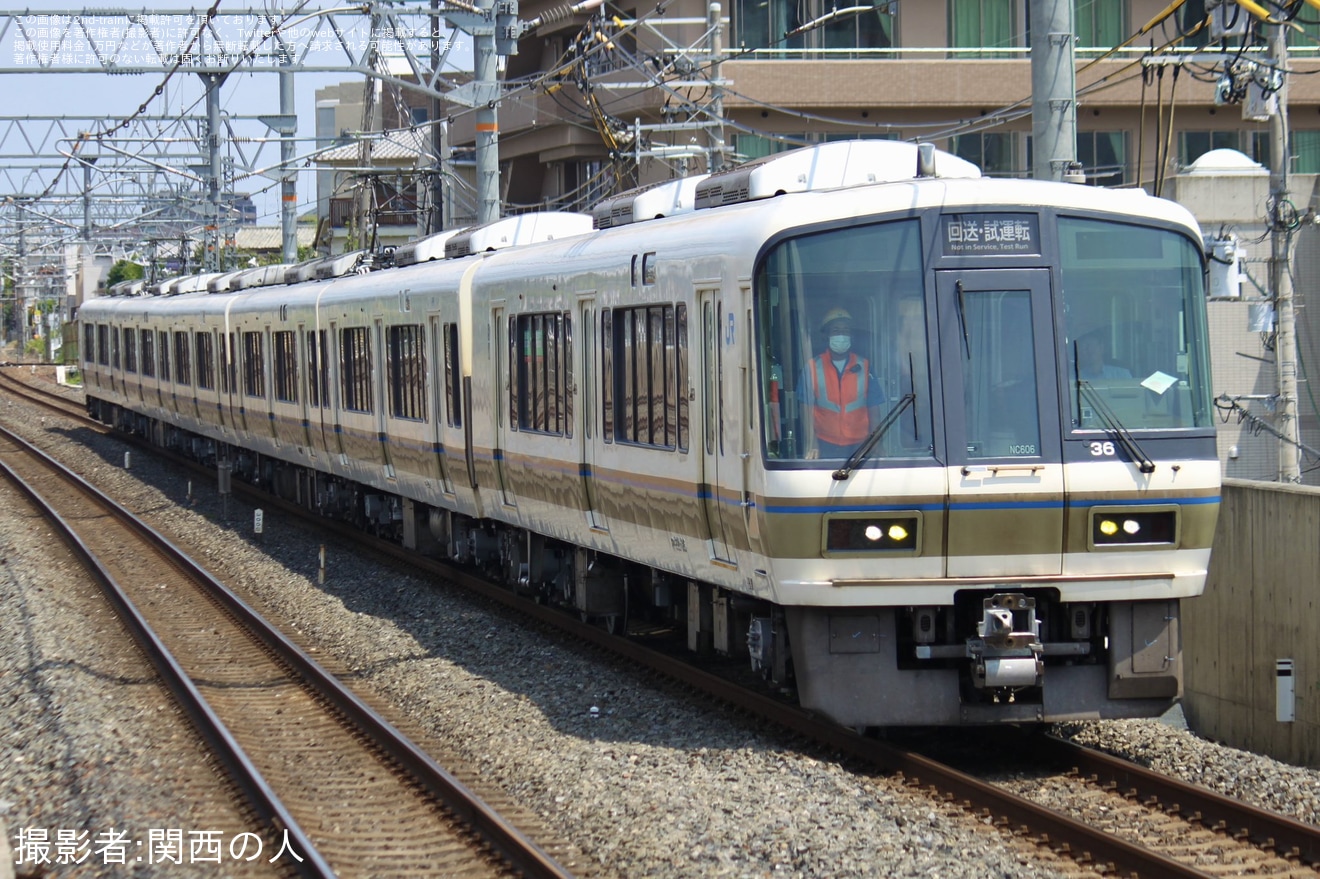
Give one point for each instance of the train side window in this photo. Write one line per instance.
(318, 370)
(355, 369)
(114, 347)
(641, 376)
(205, 347)
(681, 363)
(540, 374)
(453, 377)
(103, 345)
(182, 362)
(635, 260)
(588, 372)
(254, 365)
(607, 375)
(163, 351)
(406, 363)
(130, 350)
(89, 343)
(286, 366)
(149, 353)
(648, 268)
(566, 374)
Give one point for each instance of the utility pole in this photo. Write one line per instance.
(715, 162)
(1285, 339)
(495, 30)
(213, 81)
(1053, 90)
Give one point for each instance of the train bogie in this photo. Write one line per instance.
(935, 450)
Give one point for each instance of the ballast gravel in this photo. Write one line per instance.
(645, 783)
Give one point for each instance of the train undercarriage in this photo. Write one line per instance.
(996, 655)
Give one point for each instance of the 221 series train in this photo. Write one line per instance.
(629, 417)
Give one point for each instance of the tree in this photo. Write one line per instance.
(123, 270)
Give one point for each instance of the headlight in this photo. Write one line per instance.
(871, 534)
(1128, 527)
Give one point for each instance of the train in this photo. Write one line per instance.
(924, 448)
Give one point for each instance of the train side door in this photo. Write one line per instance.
(1005, 515)
(712, 437)
(500, 359)
(440, 375)
(585, 390)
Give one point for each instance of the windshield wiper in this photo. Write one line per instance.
(880, 430)
(1125, 438)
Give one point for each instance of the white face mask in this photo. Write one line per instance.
(840, 344)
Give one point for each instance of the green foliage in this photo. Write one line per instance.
(123, 270)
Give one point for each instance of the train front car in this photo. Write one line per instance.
(990, 471)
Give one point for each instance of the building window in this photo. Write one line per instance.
(1194, 144)
(407, 371)
(285, 351)
(149, 353)
(1103, 155)
(994, 153)
(1099, 24)
(355, 369)
(254, 365)
(645, 374)
(205, 346)
(543, 374)
(976, 24)
(1305, 151)
(318, 370)
(762, 25)
(182, 362)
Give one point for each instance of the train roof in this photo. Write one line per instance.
(827, 181)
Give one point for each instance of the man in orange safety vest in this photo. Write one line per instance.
(844, 397)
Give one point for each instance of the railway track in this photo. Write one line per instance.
(337, 790)
(1181, 831)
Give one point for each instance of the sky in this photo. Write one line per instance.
(113, 97)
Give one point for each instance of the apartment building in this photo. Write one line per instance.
(586, 115)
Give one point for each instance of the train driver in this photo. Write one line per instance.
(1091, 365)
(838, 386)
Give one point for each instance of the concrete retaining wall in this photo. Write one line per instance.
(1260, 606)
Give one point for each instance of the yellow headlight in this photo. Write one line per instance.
(1108, 527)
(897, 532)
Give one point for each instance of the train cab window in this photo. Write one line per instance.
(103, 345)
(148, 338)
(542, 376)
(406, 366)
(318, 370)
(254, 365)
(163, 352)
(182, 361)
(205, 349)
(453, 378)
(640, 381)
(130, 350)
(285, 355)
(355, 369)
(89, 343)
(1135, 345)
(841, 326)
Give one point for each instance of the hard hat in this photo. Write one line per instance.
(835, 314)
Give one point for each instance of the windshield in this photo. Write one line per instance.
(841, 329)
(1134, 326)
